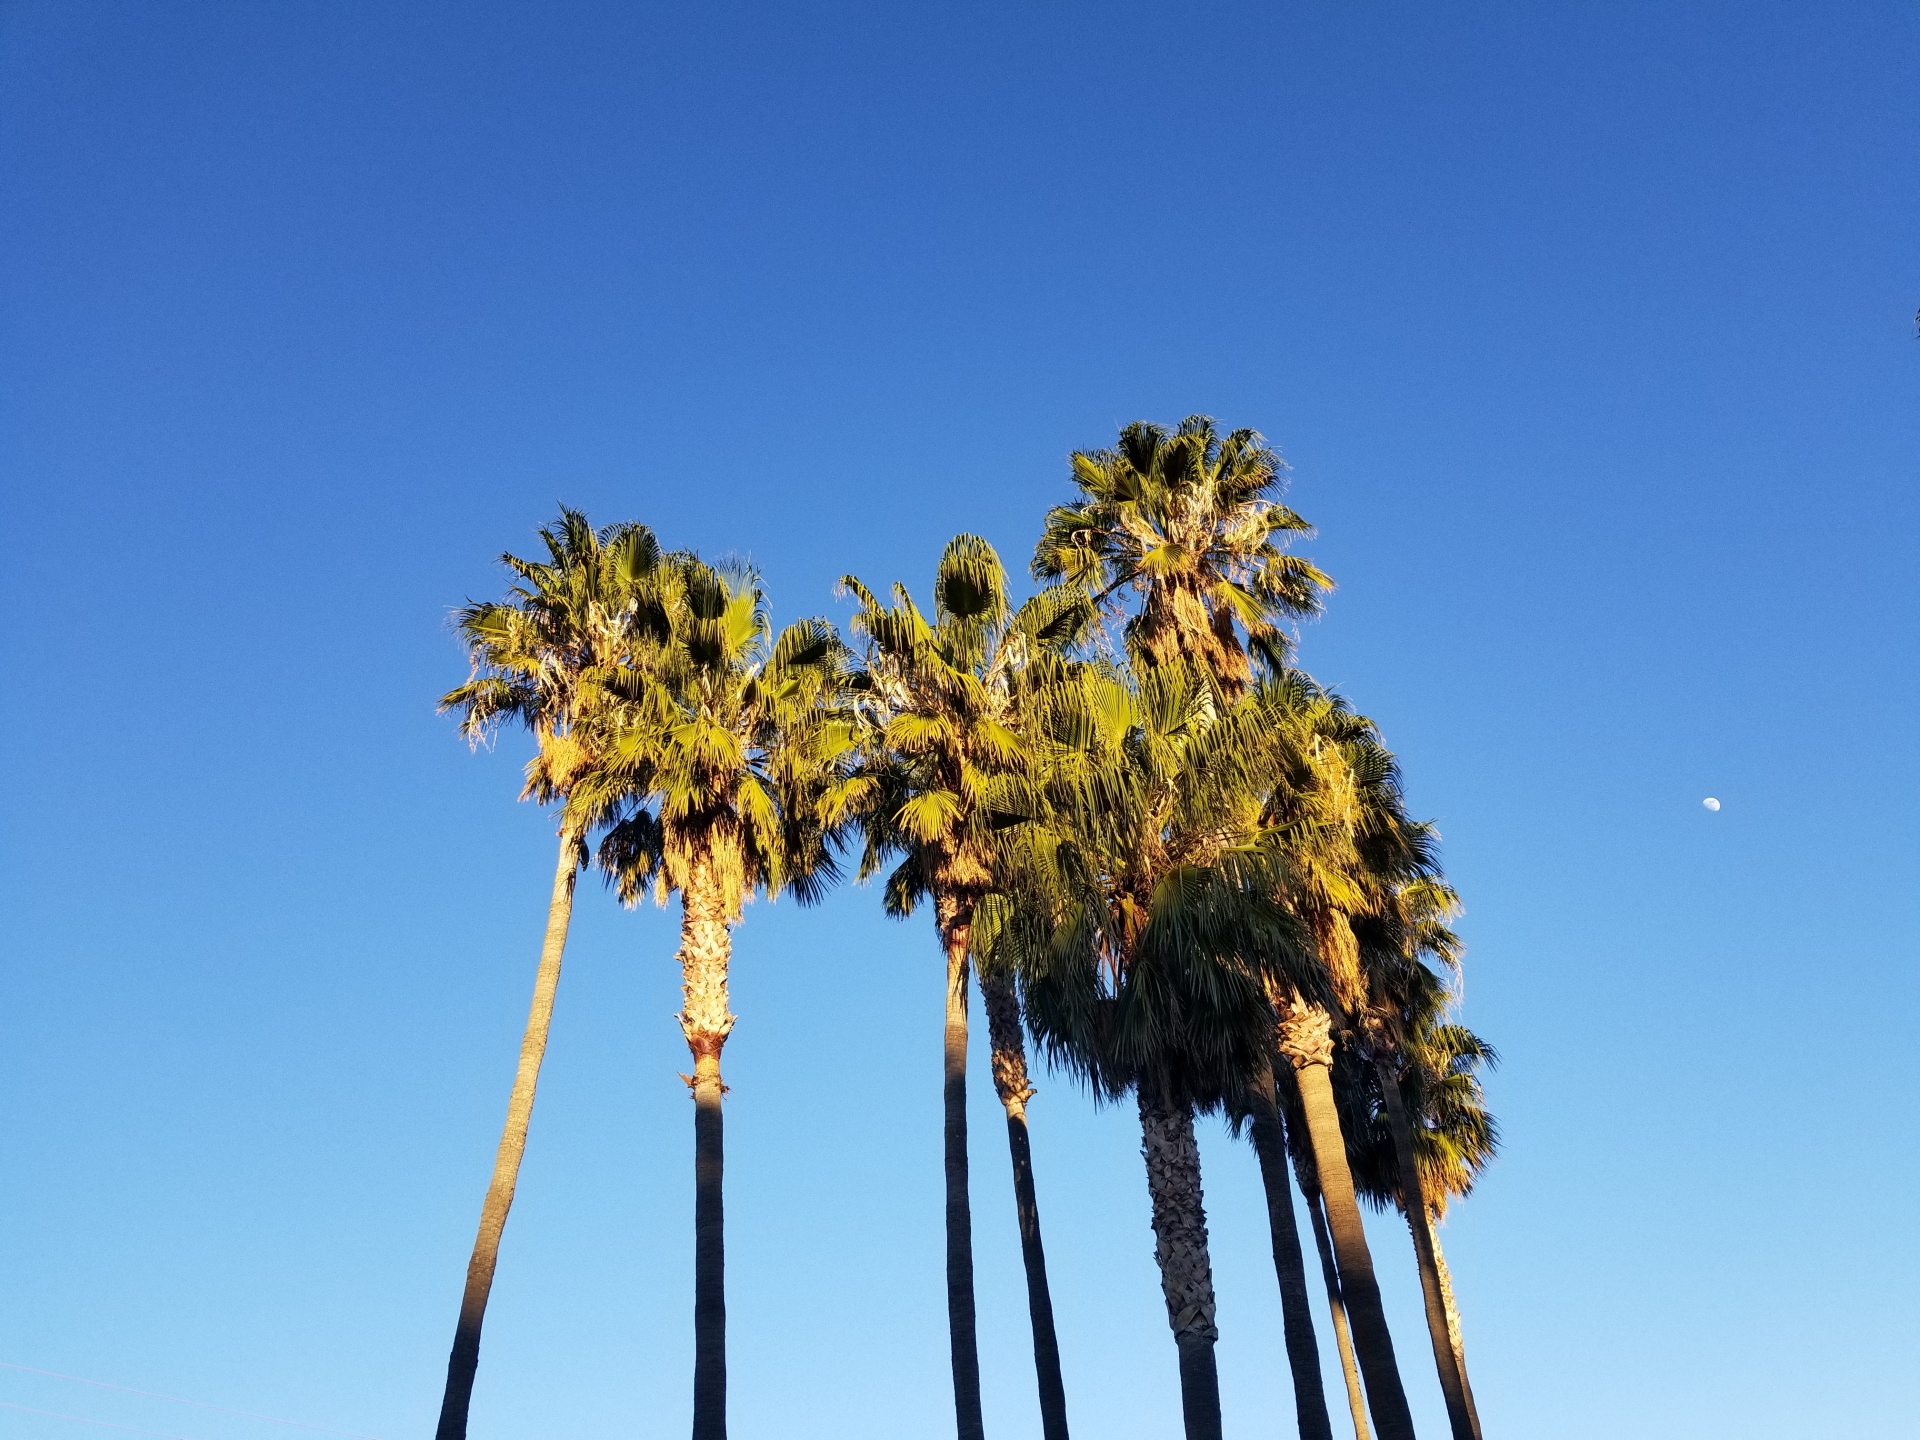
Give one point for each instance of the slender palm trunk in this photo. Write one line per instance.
(1010, 1082)
(1180, 1245)
(465, 1359)
(1343, 1336)
(1452, 1384)
(1305, 1040)
(706, 945)
(1296, 1313)
(1453, 1319)
(956, 933)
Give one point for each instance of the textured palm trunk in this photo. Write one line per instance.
(1343, 1336)
(1452, 1385)
(1306, 1041)
(706, 945)
(1180, 1245)
(1010, 1083)
(1453, 1319)
(465, 1359)
(956, 933)
(1296, 1312)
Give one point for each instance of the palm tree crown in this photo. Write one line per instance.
(1184, 525)
(726, 747)
(942, 698)
(1162, 885)
(544, 655)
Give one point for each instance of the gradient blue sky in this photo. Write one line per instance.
(1588, 331)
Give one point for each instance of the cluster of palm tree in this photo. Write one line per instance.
(1167, 855)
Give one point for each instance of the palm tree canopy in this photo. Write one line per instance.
(1147, 927)
(727, 742)
(943, 700)
(1455, 1136)
(1183, 527)
(1408, 1024)
(544, 654)
(1355, 853)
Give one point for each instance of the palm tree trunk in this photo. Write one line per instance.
(1010, 1082)
(1343, 1337)
(1180, 1245)
(956, 933)
(1413, 1199)
(1453, 1319)
(1305, 1039)
(465, 1359)
(706, 945)
(1303, 1352)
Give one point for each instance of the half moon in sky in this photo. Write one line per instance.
(1711, 803)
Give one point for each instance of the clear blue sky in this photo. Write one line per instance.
(1588, 330)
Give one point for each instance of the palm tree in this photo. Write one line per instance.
(1403, 920)
(1161, 934)
(1422, 1131)
(944, 775)
(541, 657)
(1182, 527)
(1324, 801)
(721, 765)
(1181, 533)
(1457, 1139)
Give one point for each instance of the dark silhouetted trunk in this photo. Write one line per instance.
(956, 933)
(465, 1359)
(1413, 1198)
(1180, 1245)
(1306, 1041)
(1303, 1352)
(1010, 1082)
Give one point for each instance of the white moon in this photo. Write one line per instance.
(1711, 803)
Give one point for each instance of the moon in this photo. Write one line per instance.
(1711, 803)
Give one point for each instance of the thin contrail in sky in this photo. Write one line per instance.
(57, 1415)
(176, 1399)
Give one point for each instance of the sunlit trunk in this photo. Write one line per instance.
(706, 945)
(1342, 1333)
(1010, 1083)
(1306, 1041)
(1459, 1418)
(1453, 1318)
(465, 1359)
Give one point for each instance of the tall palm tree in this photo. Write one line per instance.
(1182, 531)
(1421, 1129)
(1457, 1139)
(720, 769)
(1180, 535)
(542, 657)
(1162, 934)
(1404, 921)
(944, 776)
(1323, 802)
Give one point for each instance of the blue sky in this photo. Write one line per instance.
(1588, 332)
